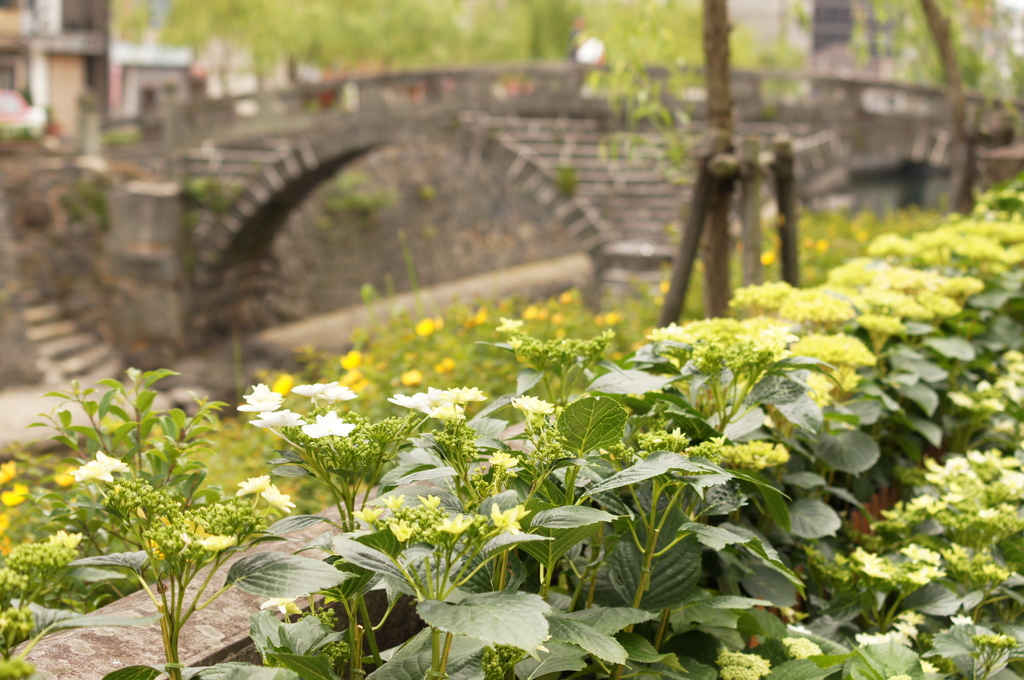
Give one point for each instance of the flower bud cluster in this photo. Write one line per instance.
(755, 455)
(800, 648)
(16, 669)
(559, 354)
(498, 659)
(16, 625)
(740, 666)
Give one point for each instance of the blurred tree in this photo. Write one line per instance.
(129, 19)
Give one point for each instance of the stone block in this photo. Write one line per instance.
(144, 215)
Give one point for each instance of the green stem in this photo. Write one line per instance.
(665, 613)
(369, 630)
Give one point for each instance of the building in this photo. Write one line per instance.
(144, 75)
(55, 51)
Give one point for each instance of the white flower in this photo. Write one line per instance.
(421, 401)
(509, 325)
(446, 409)
(961, 620)
(920, 554)
(326, 393)
(286, 605)
(328, 424)
(100, 469)
(261, 400)
(254, 485)
(279, 419)
(464, 395)
(533, 405)
(218, 543)
(960, 399)
(281, 501)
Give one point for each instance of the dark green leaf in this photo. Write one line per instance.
(294, 523)
(925, 397)
(133, 560)
(810, 518)
(601, 645)
(570, 516)
(276, 575)
(803, 412)
(800, 670)
(850, 451)
(308, 667)
(628, 381)
(560, 657)
(135, 673)
(638, 648)
(611, 619)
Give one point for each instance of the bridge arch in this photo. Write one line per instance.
(232, 251)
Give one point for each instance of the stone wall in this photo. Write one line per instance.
(458, 218)
(16, 360)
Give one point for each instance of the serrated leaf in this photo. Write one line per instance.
(364, 556)
(803, 412)
(657, 464)
(638, 648)
(611, 619)
(506, 540)
(549, 552)
(628, 381)
(592, 423)
(599, 644)
(294, 523)
(133, 560)
(884, 660)
(559, 658)
(276, 575)
(673, 574)
(810, 518)
(850, 451)
(570, 516)
(503, 618)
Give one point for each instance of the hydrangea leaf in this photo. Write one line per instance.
(810, 518)
(570, 516)
(501, 618)
(601, 645)
(592, 423)
(276, 575)
(850, 451)
(560, 657)
(628, 381)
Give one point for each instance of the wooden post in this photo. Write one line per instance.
(750, 210)
(785, 192)
(682, 267)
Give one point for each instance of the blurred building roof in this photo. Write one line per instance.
(152, 55)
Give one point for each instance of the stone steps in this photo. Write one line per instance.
(63, 350)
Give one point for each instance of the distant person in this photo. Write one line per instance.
(579, 24)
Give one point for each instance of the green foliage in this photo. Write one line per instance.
(87, 201)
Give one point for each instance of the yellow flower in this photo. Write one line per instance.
(425, 327)
(283, 384)
(503, 460)
(508, 520)
(5, 523)
(768, 258)
(558, 318)
(401, 530)
(430, 502)
(612, 318)
(368, 515)
(14, 497)
(393, 502)
(821, 245)
(254, 485)
(664, 287)
(481, 316)
(65, 539)
(456, 525)
(566, 297)
(8, 471)
(64, 479)
(446, 365)
(217, 544)
(352, 360)
(412, 378)
(861, 235)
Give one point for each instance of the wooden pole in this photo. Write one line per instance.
(750, 210)
(682, 267)
(717, 245)
(785, 192)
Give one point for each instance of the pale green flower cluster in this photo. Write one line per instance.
(801, 648)
(755, 455)
(968, 244)
(905, 571)
(817, 307)
(740, 666)
(838, 350)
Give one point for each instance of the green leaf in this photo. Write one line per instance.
(276, 575)
(804, 412)
(549, 552)
(628, 381)
(810, 518)
(560, 657)
(294, 523)
(927, 429)
(592, 423)
(366, 557)
(90, 621)
(502, 618)
(135, 673)
(308, 667)
(246, 672)
(925, 397)
(527, 380)
(850, 451)
(601, 645)
(611, 619)
(657, 464)
(506, 540)
(735, 602)
(638, 648)
(570, 516)
(885, 660)
(775, 390)
(133, 560)
(953, 348)
(673, 575)
(933, 599)
(801, 669)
